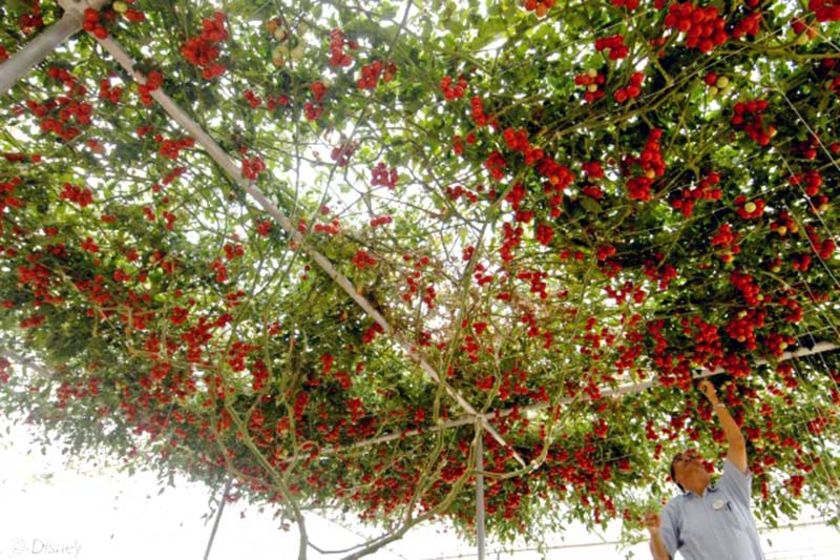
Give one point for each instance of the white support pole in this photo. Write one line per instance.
(37, 50)
(479, 490)
(219, 513)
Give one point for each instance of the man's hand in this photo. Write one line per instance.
(657, 545)
(709, 391)
(737, 452)
(652, 522)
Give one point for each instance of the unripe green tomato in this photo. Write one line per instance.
(119, 7)
(722, 82)
(578, 20)
(713, 91)
(297, 52)
(278, 56)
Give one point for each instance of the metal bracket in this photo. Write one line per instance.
(78, 7)
(42, 45)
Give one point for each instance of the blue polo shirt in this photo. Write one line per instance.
(715, 526)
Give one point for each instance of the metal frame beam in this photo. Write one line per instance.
(629, 388)
(36, 50)
(43, 44)
(466, 420)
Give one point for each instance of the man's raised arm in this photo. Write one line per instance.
(737, 446)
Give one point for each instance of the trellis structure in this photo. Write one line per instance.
(302, 239)
(463, 421)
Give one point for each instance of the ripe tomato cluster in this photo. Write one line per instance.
(685, 199)
(253, 167)
(108, 93)
(154, 80)
(171, 147)
(371, 74)
(631, 91)
(594, 82)
(749, 25)
(338, 42)
(614, 45)
(748, 116)
(727, 239)
(382, 176)
(93, 25)
(33, 19)
(539, 7)
(704, 27)
(342, 153)
(452, 92)
(362, 260)
(652, 165)
(7, 190)
(203, 51)
(65, 115)
(825, 10)
(631, 5)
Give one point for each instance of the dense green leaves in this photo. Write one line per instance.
(541, 219)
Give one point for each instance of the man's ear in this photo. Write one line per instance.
(674, 478)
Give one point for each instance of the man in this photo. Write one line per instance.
(708, 522)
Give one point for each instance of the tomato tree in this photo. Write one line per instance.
(378, 229)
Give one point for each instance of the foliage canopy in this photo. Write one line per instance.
(545, 202)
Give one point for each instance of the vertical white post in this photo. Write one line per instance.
(37, 50)
(479, 490)
(218, 518)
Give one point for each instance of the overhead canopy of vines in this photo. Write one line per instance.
(536, 221)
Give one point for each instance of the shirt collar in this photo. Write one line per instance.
(710, 488)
